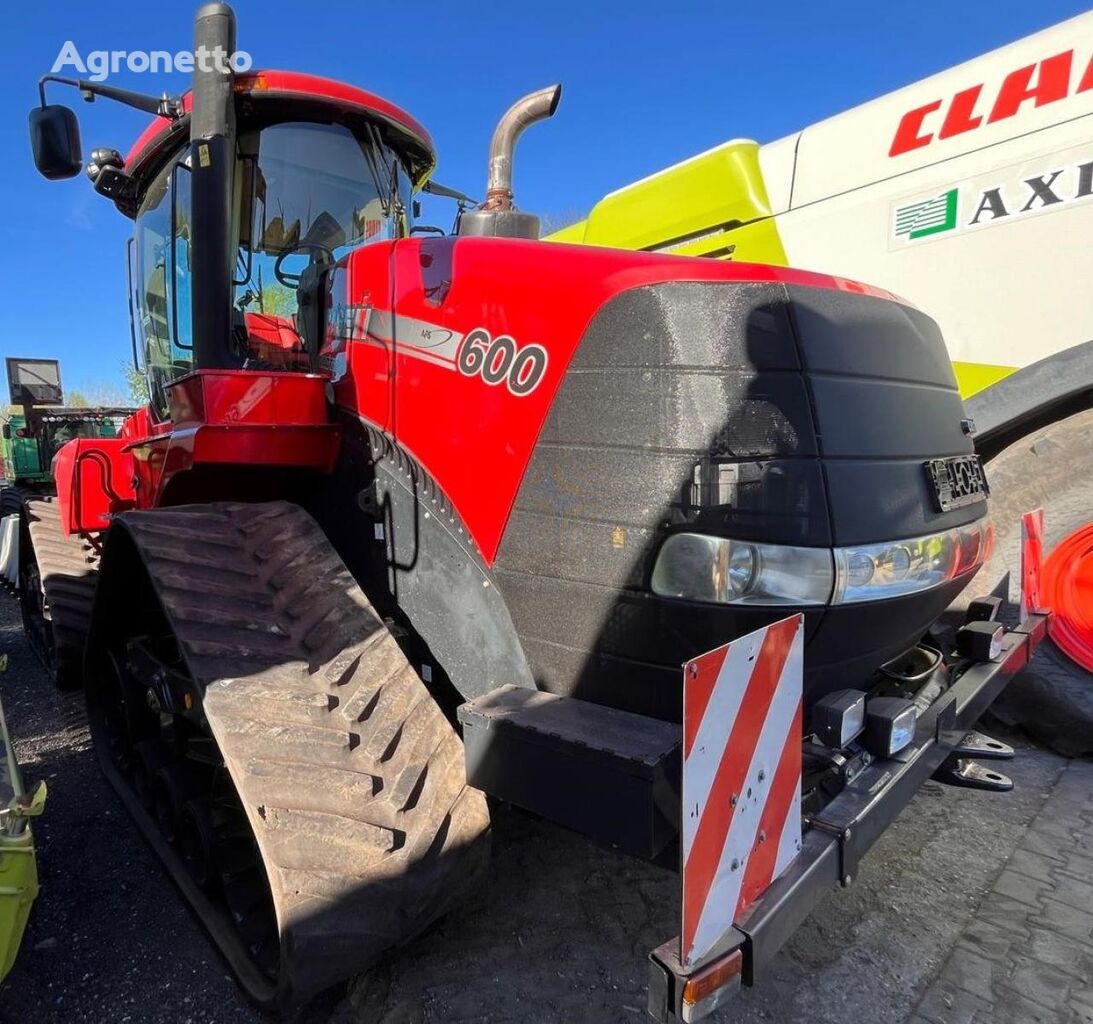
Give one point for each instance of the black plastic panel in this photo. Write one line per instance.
(841, 332)
(419, 566)
(686, 323)
(869, 418)
(885, 400)
(887, 500)
(731, 412)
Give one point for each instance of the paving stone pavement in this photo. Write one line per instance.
(1026, 955)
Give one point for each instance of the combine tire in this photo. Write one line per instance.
(57, 577)
(315, 812)
(1051, 469)
(11, 507)
(11, 501)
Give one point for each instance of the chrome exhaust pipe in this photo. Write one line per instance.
(498, 217)
(536, 106)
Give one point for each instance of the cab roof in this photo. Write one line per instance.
(290, 85)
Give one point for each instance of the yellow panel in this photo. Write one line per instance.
(573, 233)
(696, 208)
(974, 377)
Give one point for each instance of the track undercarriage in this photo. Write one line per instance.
(57, 576)
(274, 745)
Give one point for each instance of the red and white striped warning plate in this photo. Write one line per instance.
(741, 777)
(1032, 560)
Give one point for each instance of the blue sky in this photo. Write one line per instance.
(646, 84)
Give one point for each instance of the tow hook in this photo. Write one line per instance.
(960, 770)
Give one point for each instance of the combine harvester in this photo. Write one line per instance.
(412, 520)
(969, 193)
(31, 437)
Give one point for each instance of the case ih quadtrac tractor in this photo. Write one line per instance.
(412, 519)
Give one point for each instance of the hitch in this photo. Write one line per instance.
(967, 774)
(977, 744)
(959, 768)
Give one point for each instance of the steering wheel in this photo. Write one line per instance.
(292, 280)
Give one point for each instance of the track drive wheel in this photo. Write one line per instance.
(315, 813)
(1051, 469)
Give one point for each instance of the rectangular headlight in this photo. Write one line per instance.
(699, 567)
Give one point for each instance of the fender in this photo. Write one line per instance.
(1032, 397)
(94, 478)
(403, 540)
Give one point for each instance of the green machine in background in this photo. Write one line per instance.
(30, 438)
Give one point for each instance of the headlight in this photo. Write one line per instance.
(698, 567)
(702, 568)
(873, 572)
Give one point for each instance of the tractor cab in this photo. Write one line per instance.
(242, 193)
(313, 179)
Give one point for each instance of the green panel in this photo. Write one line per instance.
(18, 889)
(21, 458)
(18, 870)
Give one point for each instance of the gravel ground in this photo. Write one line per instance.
(558, 932)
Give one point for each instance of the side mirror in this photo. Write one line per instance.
(7, 431)
(55, 141)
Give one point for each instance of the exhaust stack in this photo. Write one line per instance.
(212, 141)
(497, 217)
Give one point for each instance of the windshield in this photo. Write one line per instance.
(309, 193)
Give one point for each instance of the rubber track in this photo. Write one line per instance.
(69, 570)
(351, 776)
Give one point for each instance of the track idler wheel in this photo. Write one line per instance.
(148, 757)
(127, 719)
(173, 787)
(197, 843)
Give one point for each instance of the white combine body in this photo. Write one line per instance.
(969, 193)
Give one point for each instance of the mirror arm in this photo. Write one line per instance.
(162, 106)
(434, 188)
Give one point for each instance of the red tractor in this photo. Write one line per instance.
(385, 475)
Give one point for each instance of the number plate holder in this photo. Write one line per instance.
(957, 481)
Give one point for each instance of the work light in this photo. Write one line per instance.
(839, 718)
(889, 725)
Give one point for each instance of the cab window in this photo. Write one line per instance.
(310, 193)
(160, 280)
